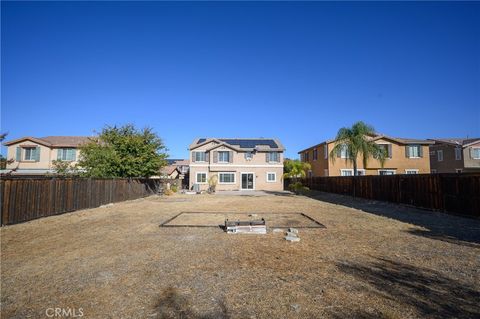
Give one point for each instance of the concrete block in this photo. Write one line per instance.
(290, 238)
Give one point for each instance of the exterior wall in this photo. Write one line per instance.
(398, 162)
(321, 163)
(257, 165)
(470, 164)
(449, 163)
(47, 155)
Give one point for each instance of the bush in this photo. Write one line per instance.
(298, 188)
(168, 192)
(174, 188)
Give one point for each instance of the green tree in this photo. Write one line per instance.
(3, 160)
(295, 169)
(123, 152)
(357, 142)
(64, 168)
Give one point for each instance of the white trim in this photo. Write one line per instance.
(266, 177)
(411, 170)
(346, 170)
(229, 183)
(235, 165)
(206, 178)
(438, 156)
(473, 152)
(388, 170)
(247, 189)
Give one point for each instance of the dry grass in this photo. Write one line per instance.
(116, 262)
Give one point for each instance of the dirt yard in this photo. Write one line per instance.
(372, 260)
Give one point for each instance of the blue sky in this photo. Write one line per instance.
(296, 71)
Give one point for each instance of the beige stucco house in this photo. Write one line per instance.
(33, 155)
(455, 155)
(237, 164)
(405, 156)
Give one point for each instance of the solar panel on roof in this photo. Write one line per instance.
(245, 143)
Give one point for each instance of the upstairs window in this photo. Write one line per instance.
(458, 153)
(315, 154)
(387, 149)
(200, 157)
(248, 156)
(29, 153)
(66, 154)
(440, 155)
(325, 151)
(413, 151)
(344, 151)
(274, 157)
(475, 152)
(223, 157)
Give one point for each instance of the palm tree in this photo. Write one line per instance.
(357, 141)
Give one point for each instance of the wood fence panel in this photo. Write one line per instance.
(456, 193)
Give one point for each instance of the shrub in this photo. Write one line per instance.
(174, 188)
(298, 188)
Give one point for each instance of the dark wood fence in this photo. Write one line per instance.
(27, 198)
(456, 193)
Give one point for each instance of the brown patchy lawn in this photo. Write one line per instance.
(373, 260)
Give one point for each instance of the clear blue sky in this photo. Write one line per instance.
(296, 71)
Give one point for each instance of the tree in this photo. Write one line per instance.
(3, 160)
(64, 168)
(123, 152)
(356, 141)
(295, 169)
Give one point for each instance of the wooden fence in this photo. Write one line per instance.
(456, 193)
(27, 198)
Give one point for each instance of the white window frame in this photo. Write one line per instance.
(274, 174)
(64, 152)
(206, 177)
(344, 149)
(473, 152)
(32, 151)
(254, 181)
(387, 170)
(410, 147)
(228, 155)
(458, 154)
(346, 170)
(204, 156)
(414, 170)
(231, 173)
(439, 158)
(270, 157)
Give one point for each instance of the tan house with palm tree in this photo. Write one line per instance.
(236, 164)
(403, 156)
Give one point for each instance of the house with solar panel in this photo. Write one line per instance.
(236, 164)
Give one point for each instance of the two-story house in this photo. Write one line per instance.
(32, 155)
(404, 156)
(455, 155)
(237, 164)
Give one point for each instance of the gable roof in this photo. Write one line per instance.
(398, 140)
(457, 141)
(242, 144)
(53, 141)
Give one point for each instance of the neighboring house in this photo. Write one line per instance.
(170, 172)
(182, 165)
(455, 155)
(238, 164)
(32, 155)
(405, 156)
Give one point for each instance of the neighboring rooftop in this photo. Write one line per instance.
(457, 141)
(243, 143)
(53, 141)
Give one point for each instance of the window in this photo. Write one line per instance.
(29, 153)
(387, 148)
(315, 154)
(386, 172)
(226, 178)
(223, 157)
(458, 153)
(66, 154)
(414, 151)
(248, 156)
(476, 152)
(201, 178)
(458, 170)
(440, 155)
(307, 156)
(360, 172)
(271, 177)
(346, 172)
(344, 151)
(325, 151)
(325, 172)
(411, 171)
(200, 157)
(275, 157)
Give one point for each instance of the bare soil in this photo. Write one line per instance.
(373, 260)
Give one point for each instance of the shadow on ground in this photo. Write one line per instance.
(428, 292)
(173, 305)
(439, 226)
